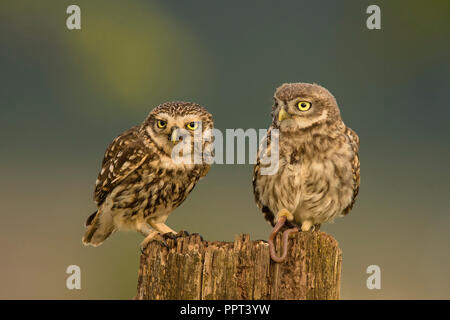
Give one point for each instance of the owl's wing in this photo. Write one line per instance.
(123, 156)
(268, 214)
(354, 142)
(257, 168)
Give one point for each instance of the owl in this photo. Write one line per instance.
(318, 168)
(143, 177)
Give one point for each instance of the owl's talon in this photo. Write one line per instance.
(182, 233)
(144, 244)
(197, 234)
(153, 237)
(162, 243)
(285, 213)
(307, 225)
(169, 235)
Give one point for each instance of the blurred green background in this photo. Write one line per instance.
(66, 94)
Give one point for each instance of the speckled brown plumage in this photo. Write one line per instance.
(140, 184)
(319, 173)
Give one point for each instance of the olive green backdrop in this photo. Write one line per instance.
(64, 95)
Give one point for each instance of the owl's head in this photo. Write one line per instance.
(302, 105)
(171, 122)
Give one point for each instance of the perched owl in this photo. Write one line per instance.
(141, 182)
(318, 171)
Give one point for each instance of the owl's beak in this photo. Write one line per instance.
(174, 137)
(283, 115)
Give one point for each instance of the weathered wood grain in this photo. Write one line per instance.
(193, 269)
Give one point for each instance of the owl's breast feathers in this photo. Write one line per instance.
(318, 168)
(354, 143)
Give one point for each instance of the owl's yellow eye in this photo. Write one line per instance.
(303, 105)
(162, 124)
(192, 125)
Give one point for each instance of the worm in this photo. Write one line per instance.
(284, 240)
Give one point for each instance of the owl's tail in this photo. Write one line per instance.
(99, 228)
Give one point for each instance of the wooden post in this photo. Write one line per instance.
(194, 269)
